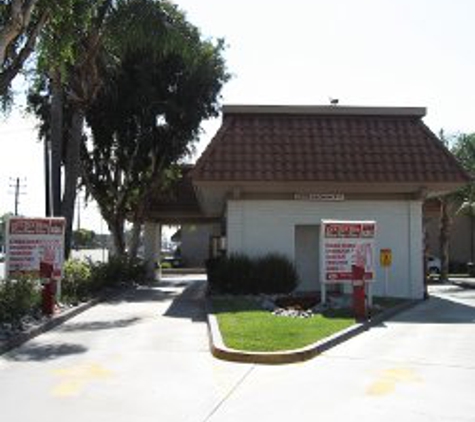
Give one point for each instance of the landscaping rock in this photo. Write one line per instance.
(293, 313)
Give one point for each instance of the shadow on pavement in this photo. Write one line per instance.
(173, 283)
(39, 353)
(98, 325)
(438, 310)
(143, 294)
(190, 304)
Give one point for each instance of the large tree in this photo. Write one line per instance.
(148, 113)
(464, 150)
(122, 49)
(70, 50)
(460, 201)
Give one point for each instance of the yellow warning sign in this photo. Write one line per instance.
(385, 257)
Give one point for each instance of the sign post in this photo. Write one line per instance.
(386, 260)
(343, 245)
(31, 242)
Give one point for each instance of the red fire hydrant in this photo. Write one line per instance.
(49, 288)
(359, 295)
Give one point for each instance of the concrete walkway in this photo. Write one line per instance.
(142, 357)
(145, 357)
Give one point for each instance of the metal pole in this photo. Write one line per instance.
(17, 193)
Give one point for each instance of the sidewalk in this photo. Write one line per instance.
(143, 356)
(466, 282)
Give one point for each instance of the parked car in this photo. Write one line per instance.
(433, 265)
(171, 262)
(2, 257)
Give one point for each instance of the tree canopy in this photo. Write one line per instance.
(142, 78)
(148, 112)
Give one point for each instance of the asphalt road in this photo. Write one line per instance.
(146, 358)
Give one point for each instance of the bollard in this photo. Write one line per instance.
(359, 294)
(49, 288)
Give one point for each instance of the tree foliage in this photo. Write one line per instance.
(3, 224)
(462, 200)
(68, 79)
(464, 150)
(84, 238)
(22, 24)
(148, 112)
(144, 78)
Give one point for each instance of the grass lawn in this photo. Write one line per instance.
(245, 325)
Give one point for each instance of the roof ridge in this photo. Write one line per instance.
(324, 110)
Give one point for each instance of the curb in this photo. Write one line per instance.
(19, 339)
(221, 351)
(53, 322)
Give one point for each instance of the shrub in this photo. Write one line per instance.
(239, 274)
(18, 298)
(275, 273)
(76, 284)
(118, 271)
(231, 274)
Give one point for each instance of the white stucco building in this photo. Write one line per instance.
(273, 173)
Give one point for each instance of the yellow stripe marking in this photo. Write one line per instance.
(389, 379)
(76, 378)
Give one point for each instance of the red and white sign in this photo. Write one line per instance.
(30, 241)
(347, 243)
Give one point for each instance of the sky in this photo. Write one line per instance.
(362, 52)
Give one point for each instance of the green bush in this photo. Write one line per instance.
(231, 274)
(19, 298)
(76, 284)
(84, 279)
(239, 274)
(275, 273)
(118, 271)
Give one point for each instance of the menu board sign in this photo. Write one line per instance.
(30, 241)
(347, 243)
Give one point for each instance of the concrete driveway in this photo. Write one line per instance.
(145, 358)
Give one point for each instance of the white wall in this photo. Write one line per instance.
(259, 227)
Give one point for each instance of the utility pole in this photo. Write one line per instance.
(18, 186)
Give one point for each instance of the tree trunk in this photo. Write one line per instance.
(56, 142)
(444, 235)
(116, 227)
(135, 239)
(47, 163)
(17, 23)
(72, 174)
(472, 218)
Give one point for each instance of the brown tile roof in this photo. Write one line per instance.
(177, 203)
(326, 144)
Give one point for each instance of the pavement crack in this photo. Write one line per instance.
(230, 392)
